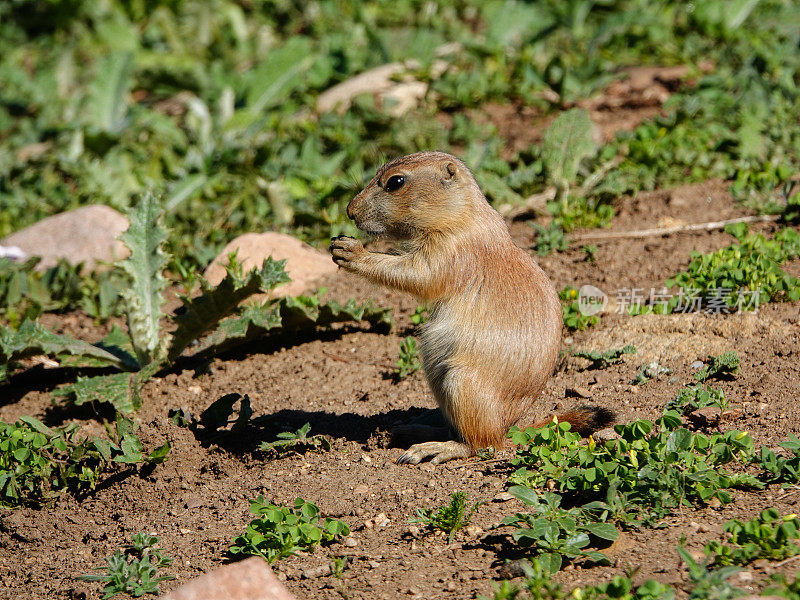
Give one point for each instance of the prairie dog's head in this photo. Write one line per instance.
(415, 195)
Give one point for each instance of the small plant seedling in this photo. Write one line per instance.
(779, 468)
(571, 313)
(281, 531)
(724, 366)
(708, 583)
(554, 532)
(648, 372)
(420, 315)
(695, 397)
(449, 518)
(603, 360)
(134, 571)
(298, 442)
(539, 585)
(409, 360)
(550, 239)
(339, 566)
(590, 253)
(769, 535)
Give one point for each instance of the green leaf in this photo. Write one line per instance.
(108, 100)
(143, 298)
(526, 495)
(159, 455)
(605, 531)
(566, 142)
(31, 339)
(279, 74)
(121, 390)
(205, 311)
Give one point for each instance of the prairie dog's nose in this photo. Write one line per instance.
(352, 207)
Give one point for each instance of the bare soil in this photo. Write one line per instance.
(341, 383)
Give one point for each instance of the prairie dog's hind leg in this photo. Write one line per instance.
(475, 420)
(437, 452)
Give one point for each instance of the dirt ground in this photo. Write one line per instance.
(340, 382)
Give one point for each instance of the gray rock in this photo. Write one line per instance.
(249, 579)
(84, 235)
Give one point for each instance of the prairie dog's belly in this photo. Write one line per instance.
(479, 337)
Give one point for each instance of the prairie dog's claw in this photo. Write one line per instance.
(437, 452)
(345, 249)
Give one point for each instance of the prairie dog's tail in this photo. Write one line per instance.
(583, 419)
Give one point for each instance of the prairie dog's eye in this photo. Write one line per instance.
(394, 183)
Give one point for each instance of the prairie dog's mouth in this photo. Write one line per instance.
(371, 228)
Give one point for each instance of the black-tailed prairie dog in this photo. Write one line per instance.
(494, 330)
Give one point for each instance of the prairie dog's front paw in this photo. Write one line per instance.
(345, 250)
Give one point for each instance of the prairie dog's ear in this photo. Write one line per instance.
(449, 171)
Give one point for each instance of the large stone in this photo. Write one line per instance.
(304, 264)
(250, 579)
(84, 235)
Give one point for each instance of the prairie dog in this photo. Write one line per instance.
(494, 330)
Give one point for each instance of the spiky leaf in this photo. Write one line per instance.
(143, 298)
(121, 390)
(204, 312)
(566, 143)
(293, 314)
(31, 339)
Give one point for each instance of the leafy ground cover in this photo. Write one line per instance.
(212, 108)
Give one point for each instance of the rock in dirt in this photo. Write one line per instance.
(605, 435)
(577, 392)
(709, 416)
(304, 264)
(85, 235)
(249, 579)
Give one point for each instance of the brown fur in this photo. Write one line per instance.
(495, 327)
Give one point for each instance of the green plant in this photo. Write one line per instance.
(281, 531)
(420, 315)
(571, 313)
(603, 360)
(694, 397)
(590, 252)
(769, 535)
(778, 468)
(650, 471)
(554, 532)
(648, 372)
(741, 276)
(409, 359)
(134, 571)
(783, 588)
(539, 585)
(550, 239)
(25, 292)
(339, 566)
(147, 348)
(724, 366)
(298, 442)
(450, 518)
(709, 584)
(38, 463)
